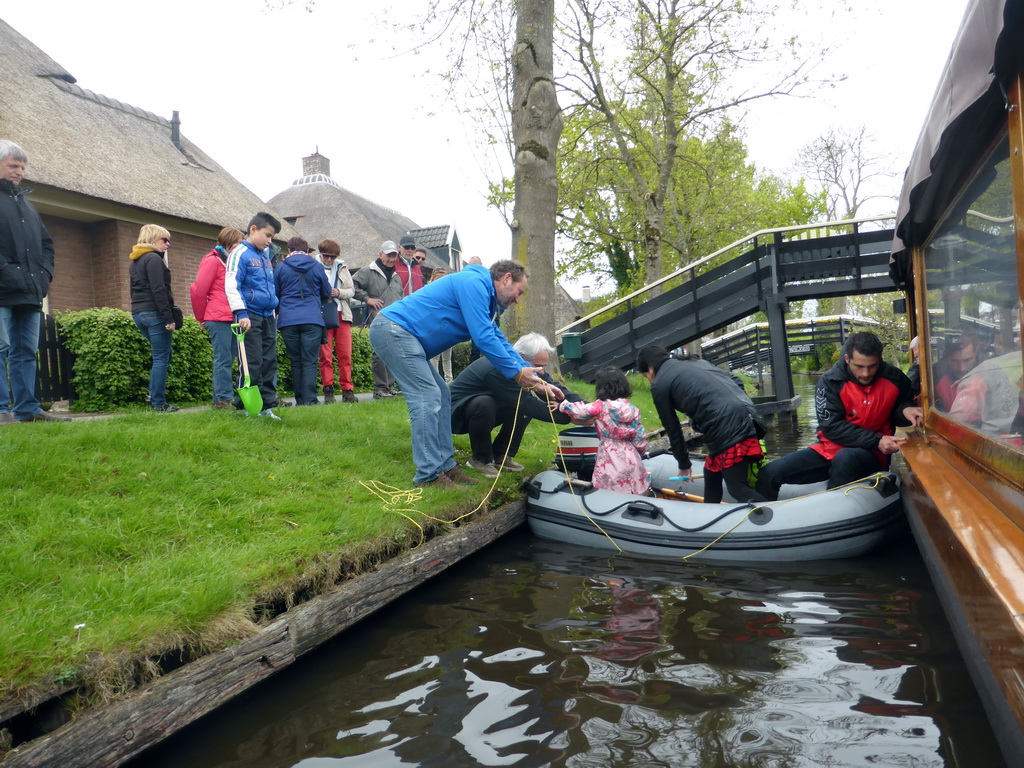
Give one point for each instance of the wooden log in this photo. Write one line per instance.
(111, 734)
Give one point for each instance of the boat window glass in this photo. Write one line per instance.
(974, 307)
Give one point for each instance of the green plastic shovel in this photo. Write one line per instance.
(249, 395)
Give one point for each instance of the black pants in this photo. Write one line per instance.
(735, 480)
(809, 466)
(482, 415)
(261, 355)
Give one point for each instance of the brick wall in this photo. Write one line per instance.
(91, 263)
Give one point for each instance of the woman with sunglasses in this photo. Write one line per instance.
(152, 306)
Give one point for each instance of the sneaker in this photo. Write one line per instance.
(329, 394)
(282, 404)
(380, 394)
(227, 405)
(270, 414)
(6, 417)
(348, 396)
(441, 481)
(395, 392)
(456, 475)
(512, 466)
(486, 469)
(165, 408)
(44, 416)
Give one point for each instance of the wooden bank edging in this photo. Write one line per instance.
(109, 735)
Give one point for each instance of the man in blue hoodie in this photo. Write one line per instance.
(249, 287)
(409, 332)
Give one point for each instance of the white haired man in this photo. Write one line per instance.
(26, 269)
(482, 399)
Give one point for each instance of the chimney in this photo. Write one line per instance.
(176, 130)
(316, 163)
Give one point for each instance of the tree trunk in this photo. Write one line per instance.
(536, 129)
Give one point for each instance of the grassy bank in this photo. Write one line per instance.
(130, 537)
(145, 535)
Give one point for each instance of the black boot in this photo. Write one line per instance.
(329, 394)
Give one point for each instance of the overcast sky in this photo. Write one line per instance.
(259, 88)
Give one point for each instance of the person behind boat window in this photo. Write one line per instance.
(960, 356)
(210, 306)
(152, 300)
(719, 409)
(858, 404)
(988, 398)
(914, 371)
(483, 398)
(339, 339)
(621, 439)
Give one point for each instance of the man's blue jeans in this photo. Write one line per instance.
(224, 350)
(5, 346)
(23, 333)
(426, 395)
(152, 327)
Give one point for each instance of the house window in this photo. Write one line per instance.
(974, 307)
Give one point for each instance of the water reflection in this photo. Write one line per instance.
(535, 654)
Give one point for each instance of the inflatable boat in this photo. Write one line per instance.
(808, 522)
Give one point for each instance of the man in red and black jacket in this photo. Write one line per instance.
(858, 404)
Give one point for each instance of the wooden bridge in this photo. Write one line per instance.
(762, 272)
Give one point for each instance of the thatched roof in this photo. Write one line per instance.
(92, 145)
(322, 208)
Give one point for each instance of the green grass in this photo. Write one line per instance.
(160, 532)
(164, 532)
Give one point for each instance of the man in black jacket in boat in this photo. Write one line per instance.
(858, 404)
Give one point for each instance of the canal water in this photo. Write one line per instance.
(533, 653)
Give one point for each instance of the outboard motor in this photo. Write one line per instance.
(577, 451)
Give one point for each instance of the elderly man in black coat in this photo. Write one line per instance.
(26, 269)
(482, 399)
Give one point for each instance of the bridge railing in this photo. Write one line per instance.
(736, 248)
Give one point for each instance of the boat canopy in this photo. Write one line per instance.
(967, 113)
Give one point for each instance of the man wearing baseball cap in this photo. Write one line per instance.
(408, 269)
(378, 285)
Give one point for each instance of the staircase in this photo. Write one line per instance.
(761, 272)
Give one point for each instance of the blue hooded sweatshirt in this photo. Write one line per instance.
(461, 307)
(302, 288)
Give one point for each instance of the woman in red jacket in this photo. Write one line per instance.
(210, 306)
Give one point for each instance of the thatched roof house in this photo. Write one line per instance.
(92, 162)
(318, 207)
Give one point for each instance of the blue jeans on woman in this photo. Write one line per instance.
(426, 395)
(152, 327)
(224, 345)
(303, 345)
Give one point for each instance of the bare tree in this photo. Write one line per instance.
(849, 169)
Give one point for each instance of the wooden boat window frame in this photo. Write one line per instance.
(1003, 460)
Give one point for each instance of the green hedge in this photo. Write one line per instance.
(112, 361)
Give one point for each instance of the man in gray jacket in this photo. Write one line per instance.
(26, 269)
(377, 286)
